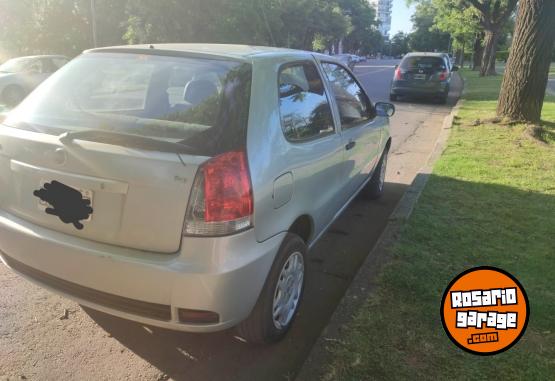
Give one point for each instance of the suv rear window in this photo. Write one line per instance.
(202, 103)
(425, 63)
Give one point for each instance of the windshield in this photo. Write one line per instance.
(15, 65)
(200, 102)
(425, 63)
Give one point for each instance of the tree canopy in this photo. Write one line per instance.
(65, 26)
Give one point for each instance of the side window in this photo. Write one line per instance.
(304, 106)
(354, 106)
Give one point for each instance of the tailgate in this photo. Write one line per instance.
(138, 198)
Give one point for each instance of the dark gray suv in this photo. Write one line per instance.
(422, 74)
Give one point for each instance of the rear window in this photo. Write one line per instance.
(200, 102)
(425, 63)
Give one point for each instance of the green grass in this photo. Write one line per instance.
(489, 201)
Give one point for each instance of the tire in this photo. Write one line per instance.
(444, 96)
(13, 95)
(374, 189)
(392, 97)
(261, 326)
(442, 99)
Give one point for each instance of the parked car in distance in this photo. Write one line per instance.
(181, 185)
(422, 74)
(347, 60)
(357, 58)
(19, 76)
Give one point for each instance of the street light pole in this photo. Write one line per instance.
(93, 22)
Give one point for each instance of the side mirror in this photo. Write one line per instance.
(385, 109)
(455, 68)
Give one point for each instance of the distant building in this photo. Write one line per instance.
(383, 11)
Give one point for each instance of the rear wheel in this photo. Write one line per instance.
(12, 95)
(442, 99)
(279, 300)
(374, 188)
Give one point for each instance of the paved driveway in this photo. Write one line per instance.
(37, 342)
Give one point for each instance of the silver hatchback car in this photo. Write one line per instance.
(181, 185)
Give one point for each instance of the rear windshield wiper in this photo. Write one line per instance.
(126, 140)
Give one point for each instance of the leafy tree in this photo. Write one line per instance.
(399, 44)
(289, 23)
(523, 88)
(425, 37)
(492, 18)
(494, 14)
(459, 21)
(364, 36)
(110, 21)
(41, 27)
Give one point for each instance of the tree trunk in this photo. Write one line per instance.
(478, 52)
(523, 88)
(461, 57)
(490, 49)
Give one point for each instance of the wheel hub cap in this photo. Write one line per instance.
(288, 290)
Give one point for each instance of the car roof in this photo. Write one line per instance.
(236, 52)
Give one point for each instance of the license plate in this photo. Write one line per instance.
(87, 194)
(420, 76)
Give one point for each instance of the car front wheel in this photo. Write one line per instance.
(374, 188)
(279, 300)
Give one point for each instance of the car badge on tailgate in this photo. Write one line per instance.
(65, 202)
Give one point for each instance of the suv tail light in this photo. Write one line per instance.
(443, 75)
(397, 75)
(221, 200)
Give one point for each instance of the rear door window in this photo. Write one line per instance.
(304, 106)
(354, 105)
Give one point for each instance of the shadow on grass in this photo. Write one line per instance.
(548, 131)
(455, 226)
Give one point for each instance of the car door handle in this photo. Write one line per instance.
(350, 145)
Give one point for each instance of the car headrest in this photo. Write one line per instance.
(198, 90)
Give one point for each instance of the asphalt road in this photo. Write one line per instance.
(37, 342)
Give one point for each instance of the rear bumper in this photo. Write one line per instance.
(432, 89)
(223, 275)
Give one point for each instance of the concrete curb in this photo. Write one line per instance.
(364, 283)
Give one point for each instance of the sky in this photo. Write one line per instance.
(400, 17)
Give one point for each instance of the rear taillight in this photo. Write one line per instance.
(443, 75)
(221, 200)
(397, 75)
